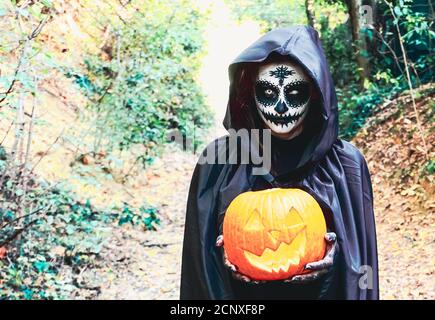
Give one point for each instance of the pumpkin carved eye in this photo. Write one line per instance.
(272, 234)
(254, 223)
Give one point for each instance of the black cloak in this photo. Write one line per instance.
(330, 169)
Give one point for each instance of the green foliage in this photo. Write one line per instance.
(416, 28)
(429, 168)
(387, 76)
(65, 236)
(355, 106)
(147, 216)
(21, 56)
(144, 83)
(270, 14)
(337, 45)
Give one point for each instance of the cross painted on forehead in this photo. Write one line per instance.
(281, 73)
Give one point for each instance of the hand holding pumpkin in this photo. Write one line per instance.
(276, 234)
(319, 268)
(237, 275)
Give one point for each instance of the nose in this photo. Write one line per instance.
(281, 107)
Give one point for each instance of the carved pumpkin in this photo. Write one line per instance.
(272, 234)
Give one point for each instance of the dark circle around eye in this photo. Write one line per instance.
(261, 86)
(301, 96)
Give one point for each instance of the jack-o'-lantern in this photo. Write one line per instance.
(272, 234)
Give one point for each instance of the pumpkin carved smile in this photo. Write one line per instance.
(281, 248)
(272, 234)
(281, 259)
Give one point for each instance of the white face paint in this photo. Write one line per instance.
(282, 95)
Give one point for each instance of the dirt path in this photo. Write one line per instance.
(406, 236)
(404, 195)
(146, 265)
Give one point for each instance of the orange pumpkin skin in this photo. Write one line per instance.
(272, 234)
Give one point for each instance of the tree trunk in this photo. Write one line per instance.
(309, 9)
(353, 7)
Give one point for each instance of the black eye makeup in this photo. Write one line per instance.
(297, 93)
(266, 93)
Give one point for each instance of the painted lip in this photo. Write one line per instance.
(282, 120)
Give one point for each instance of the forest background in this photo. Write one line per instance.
(93, 190)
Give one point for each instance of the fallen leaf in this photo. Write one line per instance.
(3, 252)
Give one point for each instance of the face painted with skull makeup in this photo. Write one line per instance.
(282, 95)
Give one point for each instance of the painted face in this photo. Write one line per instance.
(282, 95)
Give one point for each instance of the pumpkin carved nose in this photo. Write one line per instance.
(294, 224)
(273, 237)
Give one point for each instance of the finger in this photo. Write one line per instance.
(236, 275)
(321, 264)
(241, 277)
(330, 237)
(303, 278)
(257, 281)
(311, 276)
(220, 241)
(332, 249)
(326, 262)
(228, 264)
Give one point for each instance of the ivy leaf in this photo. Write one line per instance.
(47, 3)
(41, 266)
(70, 229)
(397, 11)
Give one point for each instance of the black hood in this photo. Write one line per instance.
(300, 44)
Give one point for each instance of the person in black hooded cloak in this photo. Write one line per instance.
(305, 153)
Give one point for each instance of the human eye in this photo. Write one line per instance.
(269, 93)
(265, 90)
(297, 93)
